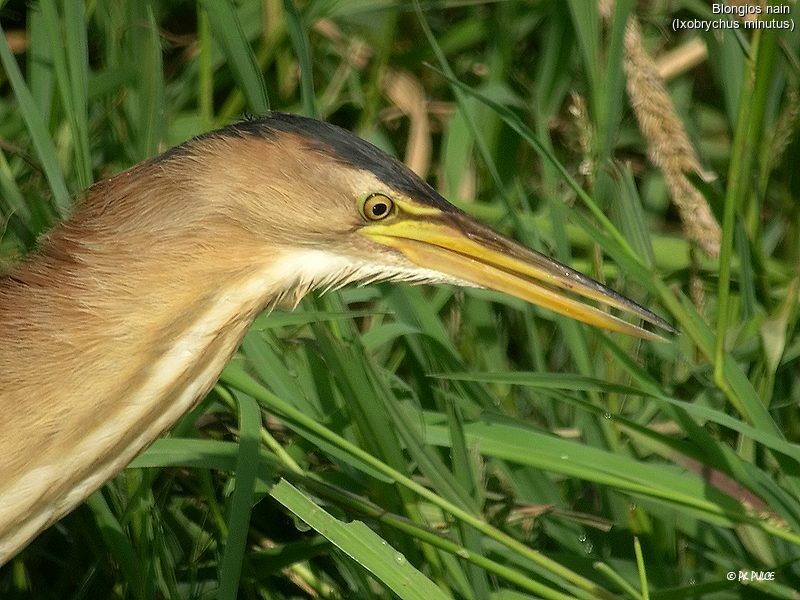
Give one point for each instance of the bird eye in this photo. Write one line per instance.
(377, 207)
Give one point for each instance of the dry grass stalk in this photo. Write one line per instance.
(408, 95)
(584, 133)
(682, 59)
(668, 144)
(785, 127)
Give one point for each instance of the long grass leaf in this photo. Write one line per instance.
(228, 32)
(39, 135)
(362, 545)
(242, 500)
(297, 33)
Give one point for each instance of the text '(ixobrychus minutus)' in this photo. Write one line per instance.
(127, 314)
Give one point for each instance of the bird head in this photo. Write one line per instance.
(341, 210)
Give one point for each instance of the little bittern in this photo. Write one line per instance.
(128, 312)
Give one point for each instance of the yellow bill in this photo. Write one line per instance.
(454, 244)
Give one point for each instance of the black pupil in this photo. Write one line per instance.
(379, 208)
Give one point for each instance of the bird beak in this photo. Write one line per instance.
(454, 244)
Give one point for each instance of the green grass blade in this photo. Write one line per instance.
(515, 443)
(640, 565)
(242, 500)
(752, 101)
(36, 127)
(271, 402)
(228, 32)
(297, 33)
(513, 121)
(118, 542)
(77, 66)
(151, 86)
(40, 72)
(200, 454)
(577, 382)
(362, 545)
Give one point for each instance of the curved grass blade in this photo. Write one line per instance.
(361, 544)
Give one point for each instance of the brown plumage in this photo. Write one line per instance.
(126, 315)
